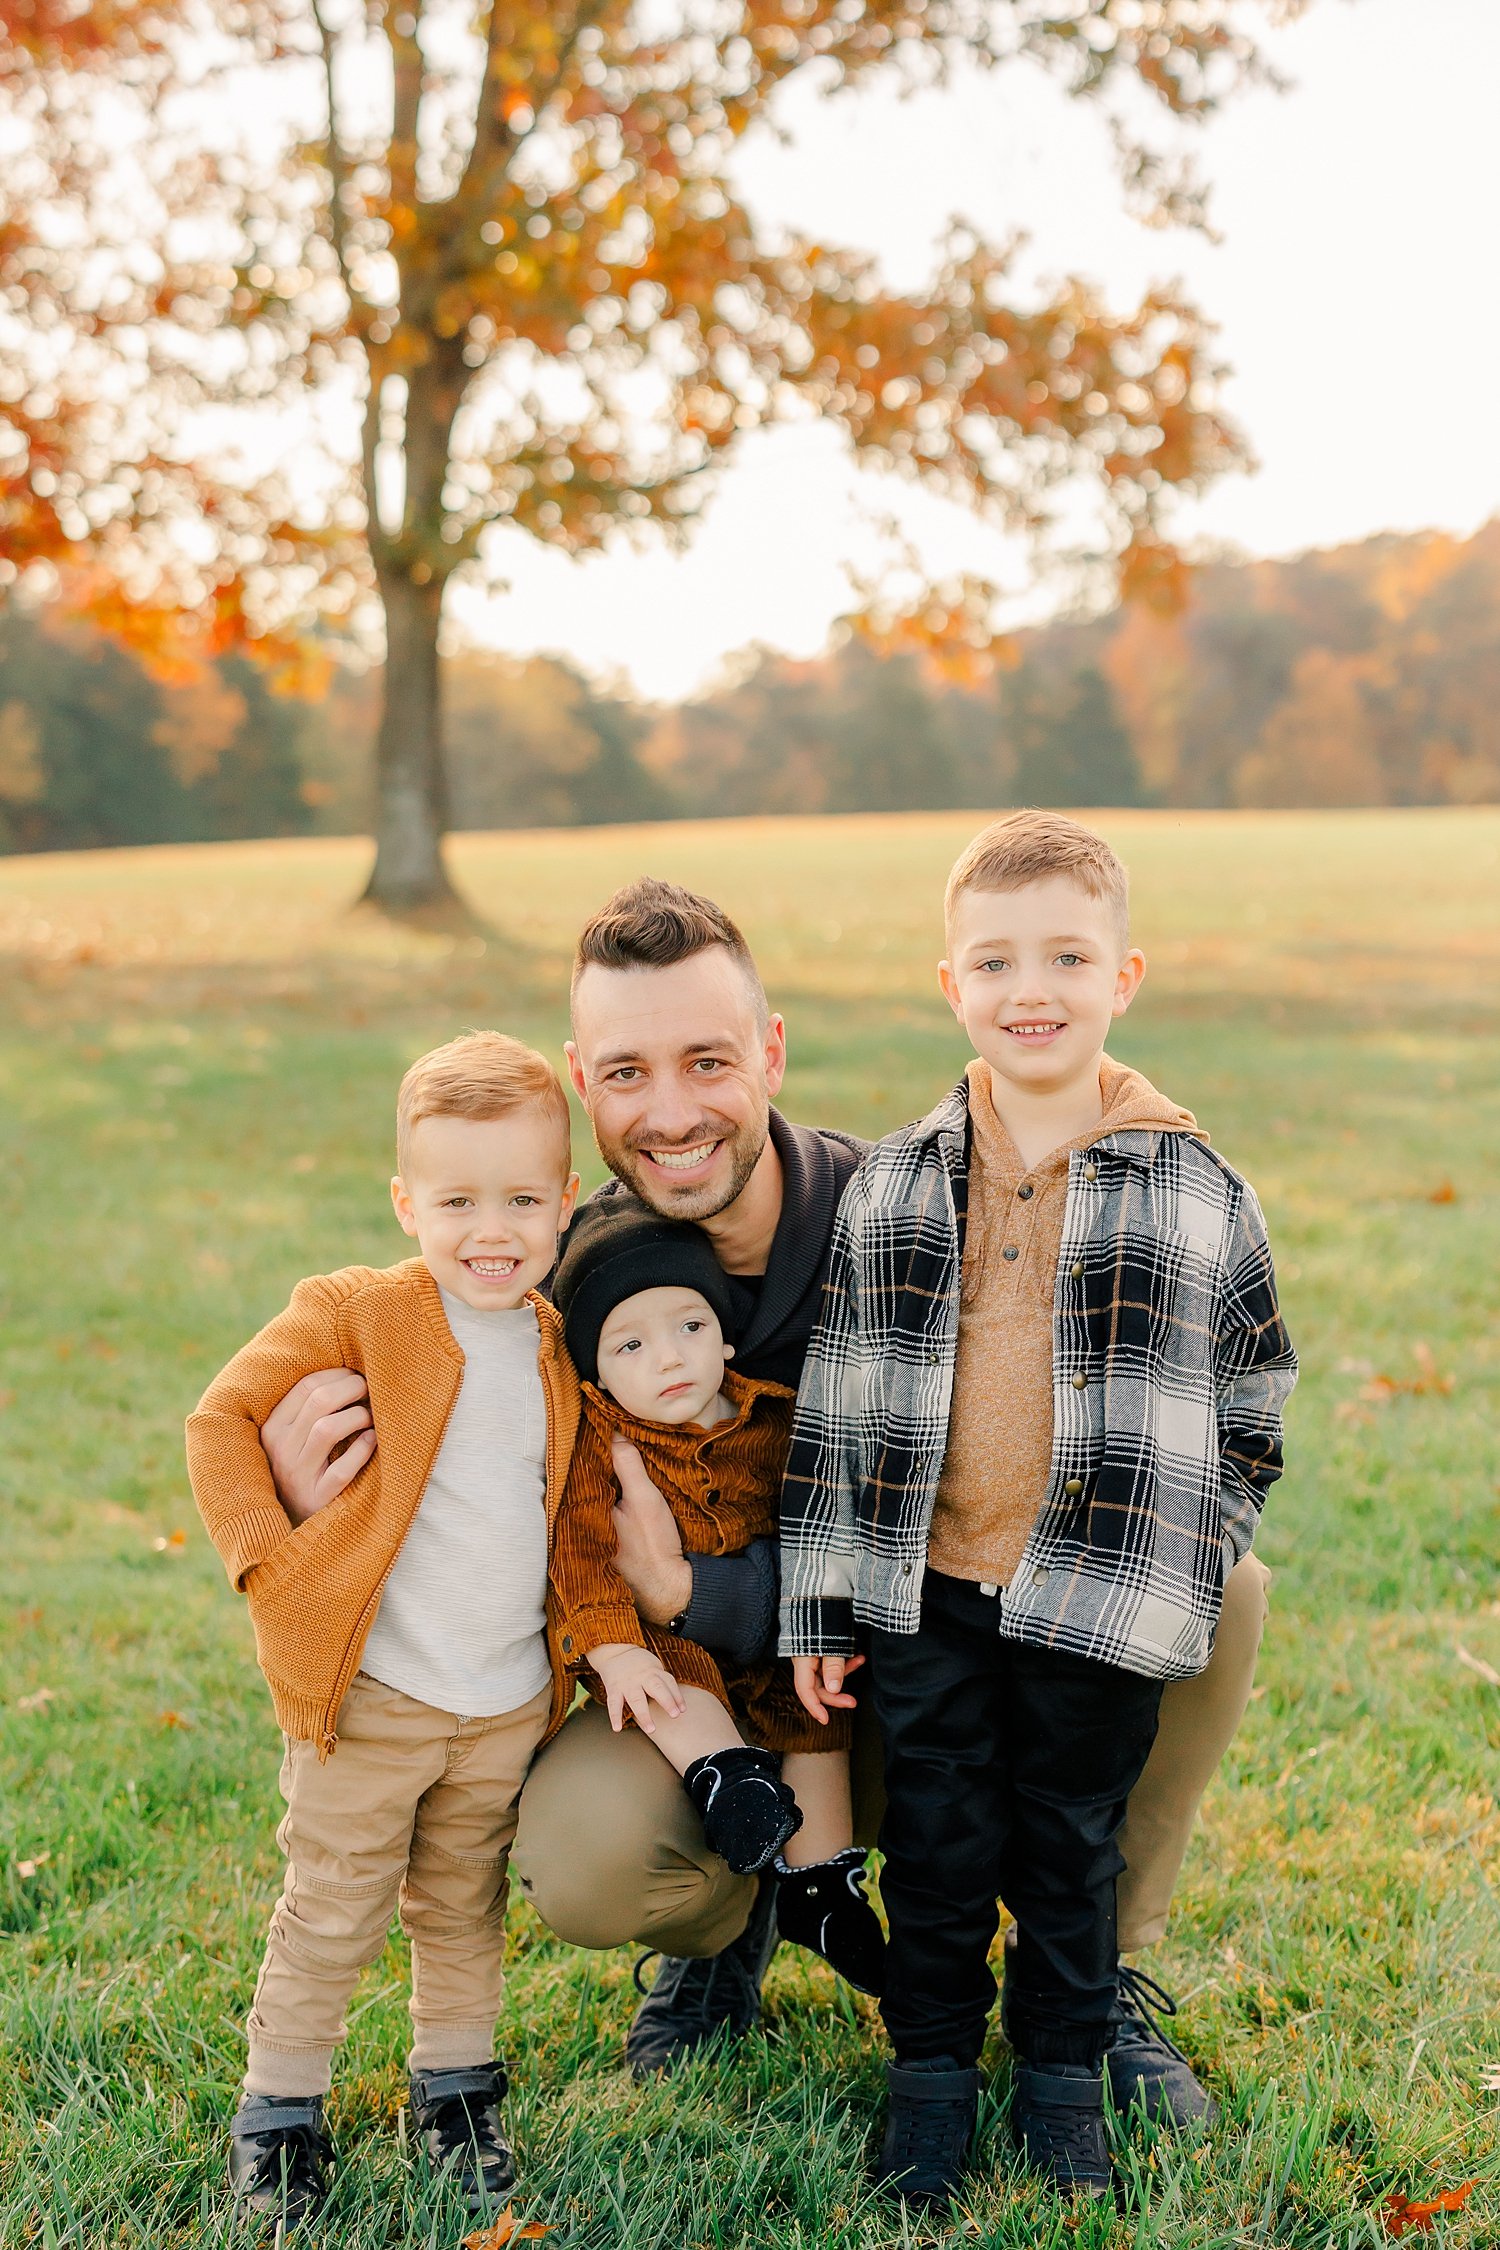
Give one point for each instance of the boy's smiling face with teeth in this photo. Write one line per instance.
(1036, 976)
(486, 1199)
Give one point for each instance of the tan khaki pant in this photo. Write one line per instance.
(415, 1810)
(610, 1852)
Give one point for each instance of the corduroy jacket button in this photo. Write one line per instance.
(1073, 1487)
(567, 1646)
(1080, 1382)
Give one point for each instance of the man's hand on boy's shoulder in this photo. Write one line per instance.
(301, 1437)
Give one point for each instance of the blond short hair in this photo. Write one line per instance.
(1029, 847)
(482, 1074)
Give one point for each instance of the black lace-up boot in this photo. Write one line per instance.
(279, 2157)
(1058, 2118)
(824, 1908)
(693, 2001)
(746, 1808)
(455, 2116)
(929, 2130)
(1143, 2064)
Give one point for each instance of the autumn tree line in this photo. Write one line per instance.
(1363, 675)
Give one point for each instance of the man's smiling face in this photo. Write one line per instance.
(677, 1072)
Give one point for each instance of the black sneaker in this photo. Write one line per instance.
(824, 1908)
(929, 2129)
(693, 2001)
(746, 1808)
(1143, 2064)
(455, 2115)
(279, 2157)
(1058, 2119)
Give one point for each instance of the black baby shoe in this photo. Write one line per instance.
(824, 1908)
(747, 1810)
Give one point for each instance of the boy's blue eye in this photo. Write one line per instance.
(992, 964)
(1070, 960)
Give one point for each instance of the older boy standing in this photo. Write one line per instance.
(1040, 1415)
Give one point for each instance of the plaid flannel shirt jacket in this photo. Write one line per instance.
(1170, 1370)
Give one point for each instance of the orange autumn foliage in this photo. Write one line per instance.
(532, 271)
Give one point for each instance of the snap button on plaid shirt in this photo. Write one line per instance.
(1171, 1367)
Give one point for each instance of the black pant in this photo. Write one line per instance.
(1006, 1772)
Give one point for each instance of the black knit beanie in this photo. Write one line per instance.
(616, 1248)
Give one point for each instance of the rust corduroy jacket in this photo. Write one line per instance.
(314, 1588)
(723, 1487)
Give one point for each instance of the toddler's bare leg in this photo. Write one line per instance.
(704, 1727)
(819, 1780)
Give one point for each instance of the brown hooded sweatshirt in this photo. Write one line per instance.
(999, 1456)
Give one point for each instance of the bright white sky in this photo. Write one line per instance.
(1353, 292)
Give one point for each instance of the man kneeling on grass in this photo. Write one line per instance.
(1039, 1417)
(405, 1607)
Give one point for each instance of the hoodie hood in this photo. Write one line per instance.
(1132, 1104)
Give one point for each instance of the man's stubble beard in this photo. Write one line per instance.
(745, 1143)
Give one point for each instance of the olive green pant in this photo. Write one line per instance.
(610, 1851)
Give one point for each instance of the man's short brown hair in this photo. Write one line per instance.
(1029, 847)
(650, 924)
(483, 1075)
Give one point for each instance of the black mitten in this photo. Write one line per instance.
(824, 1908)
(747, 1811)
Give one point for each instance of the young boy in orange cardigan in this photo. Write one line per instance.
(401, 1622)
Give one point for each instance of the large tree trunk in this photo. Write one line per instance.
(411, 794)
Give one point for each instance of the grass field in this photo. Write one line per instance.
(198, 1052)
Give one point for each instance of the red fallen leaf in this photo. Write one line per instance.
(1402, 2216)
(505, 2230)
(1444, 1192)
(172, 1719)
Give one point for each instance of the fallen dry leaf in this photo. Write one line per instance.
(1402, 2216)
(1444, 1192)
(505, 2230)
(172, 1719)
(1489, 2080)
(171, 1544)
(1477, 1664)
(37, 1702)
(26, 1868)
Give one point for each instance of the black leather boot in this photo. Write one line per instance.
(1058, 2118)
(692, 2002)
(929, 2130)
(455, 2116)
(279, 2156)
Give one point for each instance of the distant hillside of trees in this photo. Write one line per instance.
(1361, 675)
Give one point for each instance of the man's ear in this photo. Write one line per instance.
(951, 993)
(401, 1203)
(1128, 981)
(575, 1072)
(775, 1055)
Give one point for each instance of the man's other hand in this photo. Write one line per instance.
(648, 1545)
(300, 1438)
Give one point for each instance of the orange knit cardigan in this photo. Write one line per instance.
(314, 1588)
